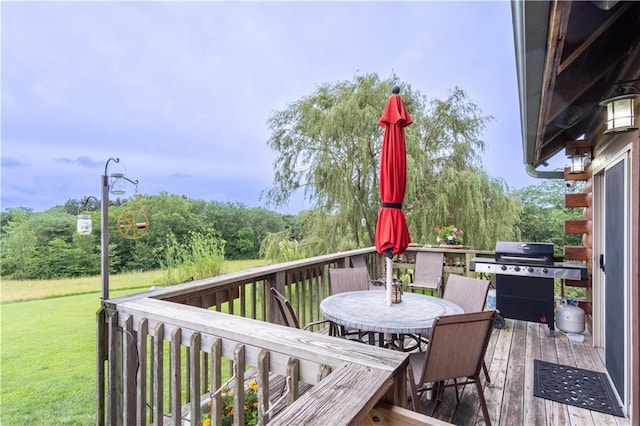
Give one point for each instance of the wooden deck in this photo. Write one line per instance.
(509, 396)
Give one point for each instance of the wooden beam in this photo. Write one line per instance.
(575, 226)
(577, 283)
(575, 253)
(593, 37)
(575, 200)
(578, 147)
(587, 306)
(558, 21)
(575, 176)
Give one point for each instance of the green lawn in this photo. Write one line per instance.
(47, 353)
(48, 361)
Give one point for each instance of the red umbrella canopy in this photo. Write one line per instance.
(392, 234)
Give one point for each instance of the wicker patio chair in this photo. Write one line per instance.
(470, 294)
(428, 271)
(291, 319)
(456, 350)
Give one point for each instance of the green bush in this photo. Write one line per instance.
(201, 257)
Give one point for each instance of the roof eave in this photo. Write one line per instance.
(530, 29)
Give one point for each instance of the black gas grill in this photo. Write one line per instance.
(524, 276)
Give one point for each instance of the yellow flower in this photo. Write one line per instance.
(255, 404)
(253, 385)
(230, 394)
(209, 403)
(206, 422)
(230, 413)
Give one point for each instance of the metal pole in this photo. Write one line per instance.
(389, 280)
(104, 221)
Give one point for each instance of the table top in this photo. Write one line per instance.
(367, 311)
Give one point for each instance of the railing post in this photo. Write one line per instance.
(278, 281)
(115, 378)
(129, 366)
(176, 375)
(194, 378)
(101, 357)
(141, 392)
(158, 365)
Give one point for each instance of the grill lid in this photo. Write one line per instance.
(524, 253)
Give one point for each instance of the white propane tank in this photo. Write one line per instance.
(569, 318)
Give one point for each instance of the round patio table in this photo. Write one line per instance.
(367, 311)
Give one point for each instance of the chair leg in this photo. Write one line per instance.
(455, 382)
(437, 392)
(483, 402)
(486, 371)
(414, 389)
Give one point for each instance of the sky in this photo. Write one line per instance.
(181, 92)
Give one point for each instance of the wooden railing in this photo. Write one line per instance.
(456, 261)
(161, 354)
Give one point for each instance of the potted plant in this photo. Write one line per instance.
(449, 236)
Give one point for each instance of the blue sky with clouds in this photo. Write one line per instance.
(181, 91)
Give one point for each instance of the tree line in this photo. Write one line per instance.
(46, 245)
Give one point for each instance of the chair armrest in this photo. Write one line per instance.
(378, 282)
(311, 324)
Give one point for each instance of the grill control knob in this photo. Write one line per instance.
(503, 267)
(545, 270)
(530, 269)
(516, 268)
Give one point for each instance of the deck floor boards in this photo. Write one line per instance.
(509, 396)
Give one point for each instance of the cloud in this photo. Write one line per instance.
(181, 91)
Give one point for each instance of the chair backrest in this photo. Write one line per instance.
(348, 279)
(457, 346)
(428, 271)
(286, 310)
(468, 293)
(359, 262)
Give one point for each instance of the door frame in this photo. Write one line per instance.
(598, 278)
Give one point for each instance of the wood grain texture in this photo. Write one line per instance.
(312, 349)
(575, 226)
(345, 397)
(502, 353)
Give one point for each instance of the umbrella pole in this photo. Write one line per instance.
(389, 279)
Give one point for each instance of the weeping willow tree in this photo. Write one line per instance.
(328, 145)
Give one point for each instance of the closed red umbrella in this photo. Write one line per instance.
(392, 233)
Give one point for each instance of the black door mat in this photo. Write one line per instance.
(574, 386)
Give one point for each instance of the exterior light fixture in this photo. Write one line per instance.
(578, 162)
(620, 109)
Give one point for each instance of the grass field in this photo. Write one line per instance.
(47, 352)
